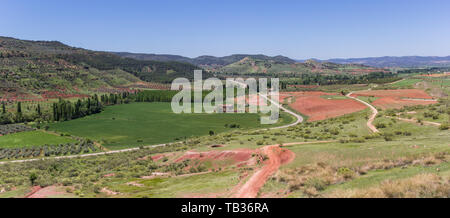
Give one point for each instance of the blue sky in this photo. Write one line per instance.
(298, 29)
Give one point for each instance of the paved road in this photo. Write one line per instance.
(372, 117)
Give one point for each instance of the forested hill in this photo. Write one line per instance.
(205, 60)
(259, 64)
(51, 65)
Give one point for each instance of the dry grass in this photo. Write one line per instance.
(427, 185)
(313, 178)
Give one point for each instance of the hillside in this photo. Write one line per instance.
(31, 67)
(250, 65)
(257, 64)
(407, 61)
(204, 60)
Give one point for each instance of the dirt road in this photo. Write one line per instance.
(372, 117)
(276, 157)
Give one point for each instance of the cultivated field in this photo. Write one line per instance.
(387, 99)
(321, 105)
(137, 124)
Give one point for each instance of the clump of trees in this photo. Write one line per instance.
(65, 110)
(48, 150)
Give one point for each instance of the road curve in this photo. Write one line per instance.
(298, 117)
(274, 154)
(372, 117)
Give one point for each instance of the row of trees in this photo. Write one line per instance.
(66, 110)
(82, 147)
(341, 79)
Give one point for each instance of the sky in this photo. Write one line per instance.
(298, 29)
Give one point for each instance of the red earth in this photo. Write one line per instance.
(316, 107)
(237, 155)
(277, 156)
(388, 99)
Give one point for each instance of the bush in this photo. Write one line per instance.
(346, 173)
(444, 126)
(380, 125)
(388, 137)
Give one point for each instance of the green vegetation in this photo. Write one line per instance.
(32, 138)
(137, 124)
(409, 83)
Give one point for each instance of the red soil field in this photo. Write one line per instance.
(318, 108)
(238, 155)
(390, 103)
(389, 99)
(396, 93)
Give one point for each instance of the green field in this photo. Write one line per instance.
(405, 83)
(31, 138)
(138, 124)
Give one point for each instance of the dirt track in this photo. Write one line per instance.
(372, 117)
(276, 157)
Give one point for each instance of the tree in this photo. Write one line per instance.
(19, 107)
(38, 110)
(3, 107)
(33, 178)
(19, 112)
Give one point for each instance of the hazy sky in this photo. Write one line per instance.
(298, 29)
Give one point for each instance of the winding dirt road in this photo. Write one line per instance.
(298, 117)
(372, 116)
(276, 157)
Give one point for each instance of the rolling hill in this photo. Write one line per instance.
(404, 62)
(205, 60)
(257, 64)
(34, 66)
(250, 65)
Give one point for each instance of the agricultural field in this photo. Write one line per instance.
(138, 124)
(32, 138)
(321, 105)
(389, 99)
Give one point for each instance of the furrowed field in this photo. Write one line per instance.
(131, 125)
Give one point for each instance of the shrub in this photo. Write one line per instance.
(380, 125)
(316, 183)
(346, 173)
(444, 126)
(388, 137)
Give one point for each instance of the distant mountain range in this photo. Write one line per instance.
(389, 61)
(381, 62)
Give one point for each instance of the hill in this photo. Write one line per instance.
(204, 60)
(35, 66)
(406, 61)
(250, 65)
(257, 64)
